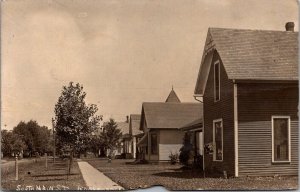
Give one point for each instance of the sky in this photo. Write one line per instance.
(123, 52)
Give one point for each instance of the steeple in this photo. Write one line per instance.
(173, 98)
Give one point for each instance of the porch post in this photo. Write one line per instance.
(236, 140)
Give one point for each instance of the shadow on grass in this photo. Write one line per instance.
(180, 174)
(54, 175)
(59, 165)
(63, 168)
(56, 179)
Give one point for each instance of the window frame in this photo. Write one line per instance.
(214, 140)
(219, 75)
(289, 138)
(151, 150)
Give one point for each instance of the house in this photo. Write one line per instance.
(160, 122)
(135, 133)
(130, 136)
(248, 82)
(124, 128)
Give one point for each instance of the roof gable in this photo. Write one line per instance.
(134, 126)
(172, 98)
(251, 55)
(170, 115)
(123, 126)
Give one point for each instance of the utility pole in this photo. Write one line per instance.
(54, 141)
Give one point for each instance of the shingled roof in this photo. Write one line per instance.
(170, 115)
(124, 127)
(251, 54)
(198, 123)
(134, 125)
(172, 98)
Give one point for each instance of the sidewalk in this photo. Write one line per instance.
(96, 180)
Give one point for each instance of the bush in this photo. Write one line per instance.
(184, 157)
(174, 158)
(185, 150)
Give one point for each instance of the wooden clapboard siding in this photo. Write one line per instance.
(216, 110)
(256, 105)
(166, 149)
(170, 140)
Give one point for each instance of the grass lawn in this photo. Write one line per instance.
(173, 178)
(33, 175)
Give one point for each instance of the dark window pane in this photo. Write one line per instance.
(153, 144)
(281, 143)
(218, 141)
(217, 82)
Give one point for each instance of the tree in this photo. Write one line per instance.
(111, 136)
(36, 137)
(74, 120)
(11, 143)
(6, 142)
(95, 144)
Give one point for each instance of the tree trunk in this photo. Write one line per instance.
(71, 162)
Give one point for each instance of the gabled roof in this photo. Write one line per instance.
(135, 124)
(251, 55)
(161, 115)
(172, 98)
(124, 127)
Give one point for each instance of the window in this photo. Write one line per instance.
(218, 140)
(281, 146)
(153, 144)
(217, 80)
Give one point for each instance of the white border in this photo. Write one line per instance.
(289, 138)
(214, 142)
(217, 62)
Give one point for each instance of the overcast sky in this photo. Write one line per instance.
(123, 52)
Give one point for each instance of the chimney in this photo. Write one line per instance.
(289, 26)
(127, 119)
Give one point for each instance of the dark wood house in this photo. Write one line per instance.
(161, 123)
(248, 82)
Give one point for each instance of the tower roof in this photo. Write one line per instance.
(173, 98)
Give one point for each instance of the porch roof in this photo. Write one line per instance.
(194, 125)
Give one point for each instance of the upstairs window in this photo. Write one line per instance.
(217, 81)
(218, 140)
(281, 139)
(154, 144)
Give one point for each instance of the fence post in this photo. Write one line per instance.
(46, 161)
(16, 168)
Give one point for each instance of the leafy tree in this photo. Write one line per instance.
(36, 137)
(95, 144)
(18, 145)
(111, 136)
(74, 120)
(6, 142)
(11, 143)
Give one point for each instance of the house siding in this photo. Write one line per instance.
(169, 141)
(222, 109)
(257, 103)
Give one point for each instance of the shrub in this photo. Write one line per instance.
(185, 150)
(174, 158)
